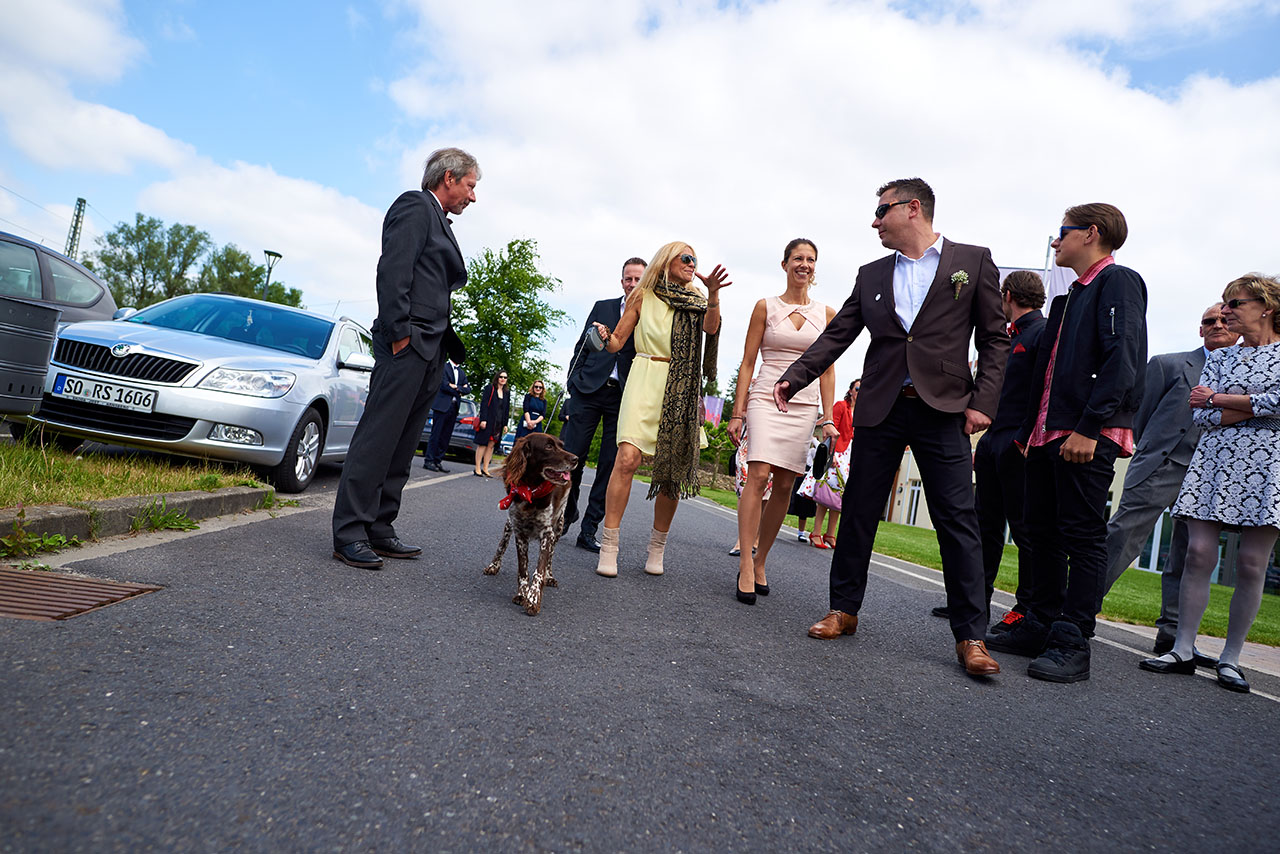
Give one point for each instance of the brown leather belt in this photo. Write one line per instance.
(909, 391)
(654, 358)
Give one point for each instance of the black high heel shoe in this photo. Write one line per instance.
(762, 589)
(744, 598)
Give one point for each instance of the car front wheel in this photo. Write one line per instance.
(301, 455)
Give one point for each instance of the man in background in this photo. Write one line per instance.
(596, 378)
(1166, 439)
(444, 414)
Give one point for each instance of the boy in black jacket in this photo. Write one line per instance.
(1086, 387)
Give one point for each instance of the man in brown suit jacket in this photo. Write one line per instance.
(922, 306)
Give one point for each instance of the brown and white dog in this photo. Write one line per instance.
(537, 479)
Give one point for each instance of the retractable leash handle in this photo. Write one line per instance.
(596, 343)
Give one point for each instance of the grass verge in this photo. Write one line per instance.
(1134, 599)
(31, 475)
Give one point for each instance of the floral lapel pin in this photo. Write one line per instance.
(959, 278)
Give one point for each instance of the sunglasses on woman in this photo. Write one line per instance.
(686, 258)
(1233, 304)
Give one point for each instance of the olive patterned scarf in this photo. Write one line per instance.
(675, 462)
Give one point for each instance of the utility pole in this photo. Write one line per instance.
(73, 236)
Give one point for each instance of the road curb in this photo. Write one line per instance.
(110, 517)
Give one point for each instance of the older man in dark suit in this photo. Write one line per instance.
(1166, 439)
(922, 305)
(595, 386)
(421, 265)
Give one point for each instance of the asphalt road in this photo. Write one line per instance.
(271, 699)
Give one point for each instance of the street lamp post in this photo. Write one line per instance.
(272, 258)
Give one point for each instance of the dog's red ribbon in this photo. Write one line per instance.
(530, 495)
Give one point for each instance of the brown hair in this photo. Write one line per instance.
(1025, 287)
(799, 241)
(543, 394)
(911, 188)
(627, 263)
(1265, 288)
(1110, 223)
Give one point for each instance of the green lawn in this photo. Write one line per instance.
(1135, 598)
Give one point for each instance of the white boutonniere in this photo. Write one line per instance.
(959, 278)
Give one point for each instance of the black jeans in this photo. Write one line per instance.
(1066, 514)
(999, 472)
(586, 413)
(944, 457)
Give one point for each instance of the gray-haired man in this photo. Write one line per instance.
(421, 265)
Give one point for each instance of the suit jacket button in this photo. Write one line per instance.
(908, 337)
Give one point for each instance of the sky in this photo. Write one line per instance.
(604, 130)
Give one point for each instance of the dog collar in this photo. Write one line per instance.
(530, 495)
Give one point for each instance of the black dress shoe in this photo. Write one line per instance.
(762, 589)
(1180, 665)
(358, 554)
(588, 542)
(1232, 678)
(392, 547)
(440, 468)
(941, 611)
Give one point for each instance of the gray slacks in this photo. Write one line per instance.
(1141, 504)
(401, 391)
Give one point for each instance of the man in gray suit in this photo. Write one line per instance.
(420, 267)
(1166, 439)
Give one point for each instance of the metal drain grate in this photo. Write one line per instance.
(50, 596)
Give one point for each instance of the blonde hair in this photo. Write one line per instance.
(1258, 286)
(658, 268)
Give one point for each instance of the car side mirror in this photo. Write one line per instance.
(124, 313)
(357, 362)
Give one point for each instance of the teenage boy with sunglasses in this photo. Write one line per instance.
(1086, 388)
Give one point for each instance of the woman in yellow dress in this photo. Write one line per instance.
(661, 413)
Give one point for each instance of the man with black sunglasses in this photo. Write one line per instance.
(1166, 437)
(1086, 388)
(922, 305)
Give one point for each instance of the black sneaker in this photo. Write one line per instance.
(1065, 659)
(1026, 638)
(1010, 620)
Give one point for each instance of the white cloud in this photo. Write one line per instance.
(79, 38)
(330, 242)
(604, 137)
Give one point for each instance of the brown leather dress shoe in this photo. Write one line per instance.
(835, 624)
(973, 655)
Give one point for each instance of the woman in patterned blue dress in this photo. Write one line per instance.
(1234, 477)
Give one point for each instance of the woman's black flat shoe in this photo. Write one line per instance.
(1232, 678)
(762, 589)
(1183, 666)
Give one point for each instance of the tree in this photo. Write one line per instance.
(502, 318)
(143, 263)
(231, 270)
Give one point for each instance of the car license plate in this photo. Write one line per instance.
(104, 394)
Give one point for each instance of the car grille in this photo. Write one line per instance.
(107, 419)
(138, 366)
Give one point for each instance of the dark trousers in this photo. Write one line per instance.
(441, 431)
(943, 454)
(401, 392)
(586, 413)
(1066, 515)
(999, 472)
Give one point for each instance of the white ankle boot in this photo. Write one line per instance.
(608, 563)
(657, 545)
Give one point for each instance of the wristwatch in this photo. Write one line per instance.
(1209, 400)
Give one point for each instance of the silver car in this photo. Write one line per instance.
(211, 375)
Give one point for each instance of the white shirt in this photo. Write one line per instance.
(622, 307)
(911, 281)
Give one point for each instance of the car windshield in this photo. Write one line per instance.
(277, 328)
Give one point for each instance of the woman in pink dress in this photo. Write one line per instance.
(781, 329)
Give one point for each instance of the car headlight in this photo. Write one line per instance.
(255, 383)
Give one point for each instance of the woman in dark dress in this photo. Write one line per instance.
(535, 411)
(495, 409)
